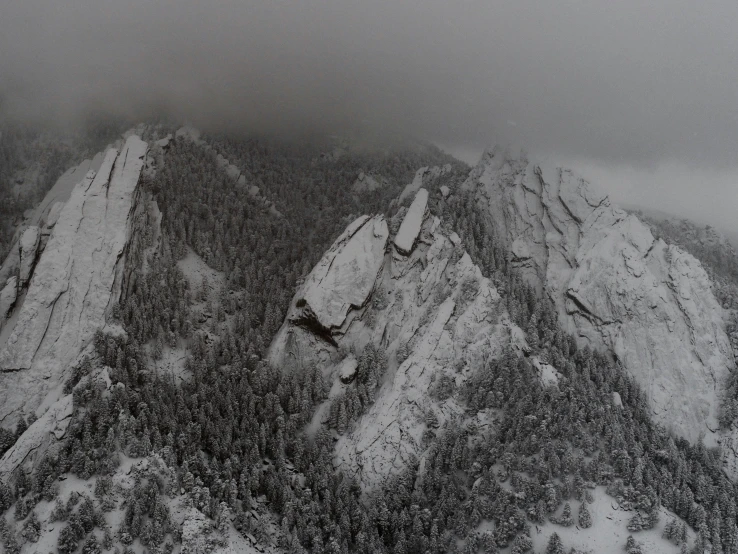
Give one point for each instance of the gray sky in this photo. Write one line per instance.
(641, 96)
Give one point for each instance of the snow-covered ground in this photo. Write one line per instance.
(608, 533)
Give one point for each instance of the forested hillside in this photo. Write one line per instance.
(232, 435)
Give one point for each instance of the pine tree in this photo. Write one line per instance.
(566, 519)
(67, 542)
(31, 528)
(554, 545)
(522, 543)
(636, 523)
(91, 546)
(671, 531)
(716, 542)
(632, 547)
(585, 519)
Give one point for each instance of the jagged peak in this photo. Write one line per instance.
(615, 288)
(498, 164)
(425, 305)
(67, 287)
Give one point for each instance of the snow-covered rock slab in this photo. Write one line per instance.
(615, 286)
(29, 242)
(43, 215)
(347, 369)
(73, 283)
(410, 227)
(345, 276)
(49, 428)
(7, 298)
(424, 177)
(436, 321)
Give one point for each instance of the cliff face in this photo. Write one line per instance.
(614, 285)
(72, 284)
(414, 294)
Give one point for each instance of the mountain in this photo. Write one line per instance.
(217, 343)
(615, 286)
(412, 315)
(68, 283)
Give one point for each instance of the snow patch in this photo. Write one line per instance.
(410, 227)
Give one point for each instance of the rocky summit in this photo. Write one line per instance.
(418, 298)
(65, 290)
(204, 349)
(615, 287)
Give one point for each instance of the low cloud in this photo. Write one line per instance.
(620, 84)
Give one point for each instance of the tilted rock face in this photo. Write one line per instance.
(49, 428)
(615, 287)
(29, 243)
(345, 276)
(410, 227)
(424, 177)
(74, 283)
(429, 308)
(8, 296)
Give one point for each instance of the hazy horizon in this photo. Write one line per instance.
(639, 98)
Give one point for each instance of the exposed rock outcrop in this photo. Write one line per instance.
(74, 283)
(345, 276)
(430, 309)
(44, 215)
(410, 227)
(8, 296)
(424, 177)
(29, 243)
(614, 285)
(45, 431)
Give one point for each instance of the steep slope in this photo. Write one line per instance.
(614, 285)
(417, 297)
(486, 446)
(73, 285)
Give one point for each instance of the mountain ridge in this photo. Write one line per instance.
(613, 284)
(418, 392)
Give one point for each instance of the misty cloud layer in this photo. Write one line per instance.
(618, 84)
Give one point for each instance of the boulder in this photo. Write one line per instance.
(616, 400)
(347, 370)
(50, 428)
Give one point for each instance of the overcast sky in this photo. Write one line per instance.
(640, 96)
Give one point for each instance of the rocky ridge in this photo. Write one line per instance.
(428, 177)
(233, 172)
(424, 303)
(74, 280)
(615, 286)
